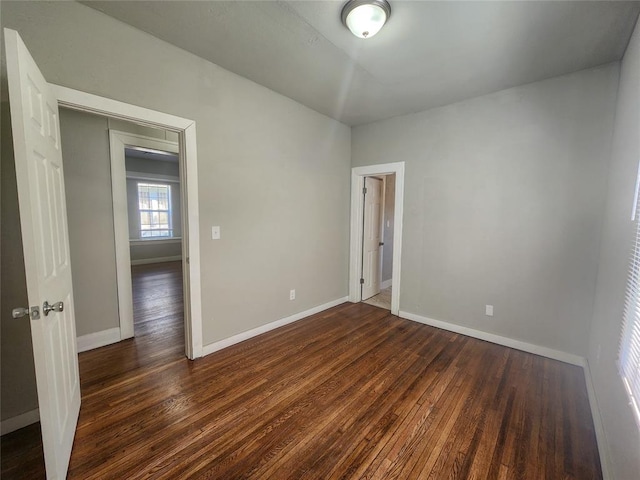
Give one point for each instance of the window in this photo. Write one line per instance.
(629, 355)
(154, 205)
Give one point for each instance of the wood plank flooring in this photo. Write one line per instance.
(351, 392)
(21, 454)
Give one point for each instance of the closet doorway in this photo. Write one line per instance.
(367, 263)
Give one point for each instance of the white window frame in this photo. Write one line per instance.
(629, 351)
(169, 211)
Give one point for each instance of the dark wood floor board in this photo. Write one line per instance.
(402, 402)
(461, 445)
(352, 392)
(469, 419)
(308, 404)
(431, 396)
(295, 459)
(21, 454)
(243, 399)
(402, 438)
(339, 430)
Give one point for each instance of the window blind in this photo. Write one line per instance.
(629, 354)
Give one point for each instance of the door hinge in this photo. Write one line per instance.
(362, 281)
(364, 190)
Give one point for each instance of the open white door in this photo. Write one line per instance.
(371, 243)
(43, 220)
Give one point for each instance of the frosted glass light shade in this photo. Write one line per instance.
(365, 18)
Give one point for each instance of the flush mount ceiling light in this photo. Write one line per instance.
(365, 18)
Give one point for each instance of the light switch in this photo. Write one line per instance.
(215, 233)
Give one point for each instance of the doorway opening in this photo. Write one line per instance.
(377, 249)
(147, 211)
(183, 131)
(154, 236)
(367, 264)
(125, 212)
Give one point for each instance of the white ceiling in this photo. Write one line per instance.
(429, 53)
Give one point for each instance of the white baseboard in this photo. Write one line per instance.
(490, 337)
(385, 284)
(98, 339)
(241, 337)
(601, 438)
(146, 261)
(16, 423)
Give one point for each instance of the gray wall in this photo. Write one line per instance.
(87, 176)
(18, 382)
(157, 251)
(272, 173)
(504, 196)
(389, 216)
(617, 234)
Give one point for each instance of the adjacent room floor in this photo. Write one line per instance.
(381, 300)
(351, 392)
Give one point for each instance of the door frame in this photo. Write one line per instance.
(186, 130)
(357, 208)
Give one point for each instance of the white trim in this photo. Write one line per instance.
(386, 284)
(601, 438)
(146, 261)
(188, 161)
(355, 246)
(88, 102)
(20, 421)
(382, 221)
(241, 337)
(152, 177)
(154, 241)
(191, 244)
(98, 339)
(498, 339)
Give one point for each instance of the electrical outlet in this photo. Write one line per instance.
(292, 294)
(488, 310)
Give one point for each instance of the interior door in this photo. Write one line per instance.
(371, 238)
(43, 220)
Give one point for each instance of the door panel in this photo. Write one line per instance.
(372, 237)
(43, 221)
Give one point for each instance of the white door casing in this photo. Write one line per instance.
(43, 220)
(371, 244)
(186, 130)
(358, 175)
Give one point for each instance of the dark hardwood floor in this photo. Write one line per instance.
(351, 392)
(21, 454)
